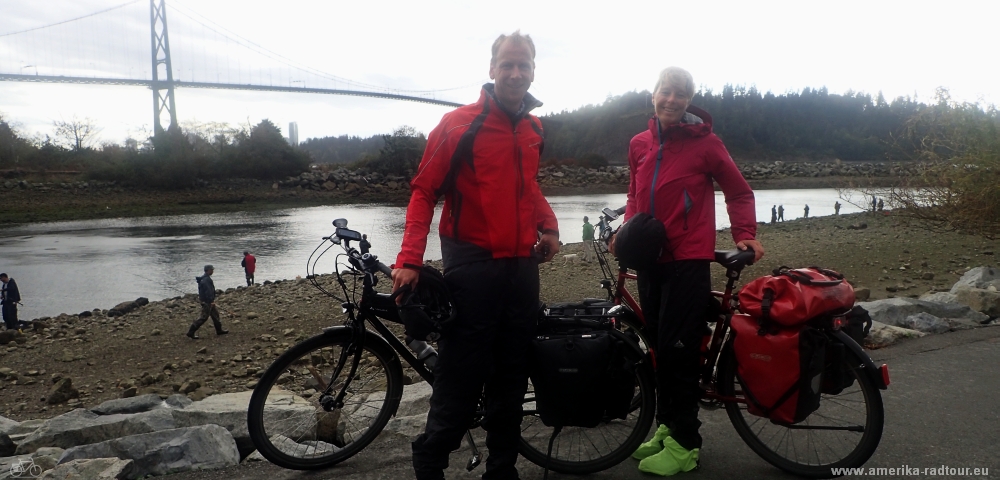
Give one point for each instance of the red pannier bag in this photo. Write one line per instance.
(781, 370)
(790, 297)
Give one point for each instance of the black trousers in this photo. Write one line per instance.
(10, 315)
(487, 345)
(674, 297)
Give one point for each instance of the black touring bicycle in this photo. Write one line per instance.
(329, 396)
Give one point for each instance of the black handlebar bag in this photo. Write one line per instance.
(640, 241)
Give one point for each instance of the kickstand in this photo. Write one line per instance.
(477, 457)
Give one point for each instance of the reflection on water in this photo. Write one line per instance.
(74, 266)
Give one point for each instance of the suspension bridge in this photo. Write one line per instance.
(82, 50)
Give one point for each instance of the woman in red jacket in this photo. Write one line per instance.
(672, 165)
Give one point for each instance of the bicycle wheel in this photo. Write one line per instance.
(291, 428)
(843, 433)
(580, 451)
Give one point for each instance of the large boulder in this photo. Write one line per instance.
(7, 425)
(142, 403)
(81, 427)
(894, 311)
(411, 416)
(92, 469)
(122, 309)
(62, 391)
(925, 322)
(204, 447)
(230, 411)
(979, 277)
(982, 300)
(883, 335)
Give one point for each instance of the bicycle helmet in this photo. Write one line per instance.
(426, 311)
(640, 241)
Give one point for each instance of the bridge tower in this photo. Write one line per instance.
(163, 90)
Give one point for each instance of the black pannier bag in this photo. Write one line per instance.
(579, 370)
(837, 374)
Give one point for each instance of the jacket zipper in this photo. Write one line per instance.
(519, 192)
(659, 158)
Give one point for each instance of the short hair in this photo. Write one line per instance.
(586, 218)
(676, 77)
(246, 252)
(3, 275)
(515, 37)
(209, 267)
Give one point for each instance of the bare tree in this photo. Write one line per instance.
(76, 133)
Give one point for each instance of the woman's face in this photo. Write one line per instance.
(670, 102)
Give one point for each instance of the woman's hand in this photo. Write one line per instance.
(758, 249)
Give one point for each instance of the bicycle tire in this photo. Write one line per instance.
(294, 431)
(858, 405)
(581, 451)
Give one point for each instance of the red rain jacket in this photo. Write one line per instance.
(493, 206)
(677, 189)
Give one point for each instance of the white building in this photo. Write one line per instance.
(293, 134)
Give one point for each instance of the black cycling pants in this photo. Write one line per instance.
(497, 302)
(674, 297)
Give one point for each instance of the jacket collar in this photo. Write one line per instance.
(530, 102)
(695, 123)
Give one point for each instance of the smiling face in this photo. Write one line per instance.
(513, 70)
(670, 102)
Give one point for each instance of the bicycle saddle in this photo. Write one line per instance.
(734, 259)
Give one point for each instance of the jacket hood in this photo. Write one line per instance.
(530, 102)
(695, 123)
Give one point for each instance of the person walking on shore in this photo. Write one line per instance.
(781, 213)
(588, 240)
(206, 294)
(836, 208)
(364, 245)
(774, 215)
(10, 296)
(806, 212)
(249, 265)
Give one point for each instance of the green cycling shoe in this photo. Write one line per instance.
(654, 445)
(671, 460)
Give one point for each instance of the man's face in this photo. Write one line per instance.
(513, 72)
(209, 272)
(4, 279)
(670, 103)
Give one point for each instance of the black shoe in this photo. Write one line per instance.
(221, 332)
(191, 333)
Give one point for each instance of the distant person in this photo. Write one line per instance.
(781, 213)
(806, 215)
(836, 208)
(588, 240)
(249, 265)
(206, 294)
(874, 203)
(881, 205)
(364, 245)
(10, 296)
(774, 215)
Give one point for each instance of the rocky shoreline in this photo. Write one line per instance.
(37, 200)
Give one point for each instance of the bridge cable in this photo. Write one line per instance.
(71, 20)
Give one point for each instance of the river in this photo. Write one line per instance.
(69, 267)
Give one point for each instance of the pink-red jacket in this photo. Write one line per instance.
(671, 178)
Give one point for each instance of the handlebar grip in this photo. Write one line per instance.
(384, 269)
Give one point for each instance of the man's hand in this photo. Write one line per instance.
(758, 249)
(404, 276)
(547, 246)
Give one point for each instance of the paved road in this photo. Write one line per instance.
(942, 409)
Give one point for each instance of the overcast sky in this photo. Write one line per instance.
(587, 50)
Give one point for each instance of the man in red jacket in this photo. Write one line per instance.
(672, 165)
(249, 265)
(483, 158)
